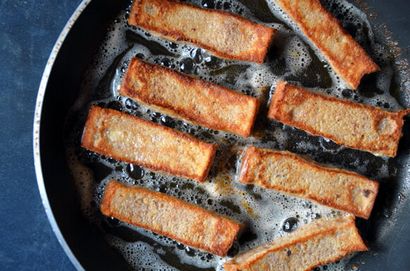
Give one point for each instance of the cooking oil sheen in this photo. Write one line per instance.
(266, 214)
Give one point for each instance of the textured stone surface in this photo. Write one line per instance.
(28, 31)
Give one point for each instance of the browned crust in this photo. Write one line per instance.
(228, 228)
(248, 176)
(343, 53)
(288, 94)
(170, 31)
(210, 105)
(91, 129)
(357, 244)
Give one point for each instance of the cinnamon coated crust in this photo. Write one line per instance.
(224, 34)
(134, 140)
(191, 99)
(347, 123)
(347, 58)
(318, 243)
(289, 173)
(169, 216)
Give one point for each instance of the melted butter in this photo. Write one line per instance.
(264, 212)
(248, 208)
(223, 185)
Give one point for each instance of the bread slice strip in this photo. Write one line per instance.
(289, 173)
(222, 33)
(354, 125)
(321, 242)
(188, 98)
(342, 52)
(169, 216)
(134, 140)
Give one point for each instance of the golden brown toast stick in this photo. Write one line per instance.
(354, 125)
(224, 34)
(321, 242)
(134, 140)
(289, 173)
(185, 97)
(169, 216)
(344, 54)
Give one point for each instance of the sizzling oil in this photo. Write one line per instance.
(267, 214)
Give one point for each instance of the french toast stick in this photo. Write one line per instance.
(191, 99)
(318, 243)
(134, 140)
(347, 123)
(289, 173)
(224, 34)
(347, 58)
(169, 216)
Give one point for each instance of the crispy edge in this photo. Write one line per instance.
(230, 227)
(257, 55)
(369, 64)
(246, 178)
(126, 89)
(358, 246)
(275, 112)
(87, 142)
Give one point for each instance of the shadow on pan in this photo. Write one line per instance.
(90, 251)
(388, 230)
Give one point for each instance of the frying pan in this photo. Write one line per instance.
(387, 232)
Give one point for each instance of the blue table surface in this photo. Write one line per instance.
(28, 30)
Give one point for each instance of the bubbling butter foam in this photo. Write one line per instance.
(266, 214)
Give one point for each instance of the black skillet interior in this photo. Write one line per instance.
(384, 231)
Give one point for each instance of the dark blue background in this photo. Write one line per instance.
(28, 30)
